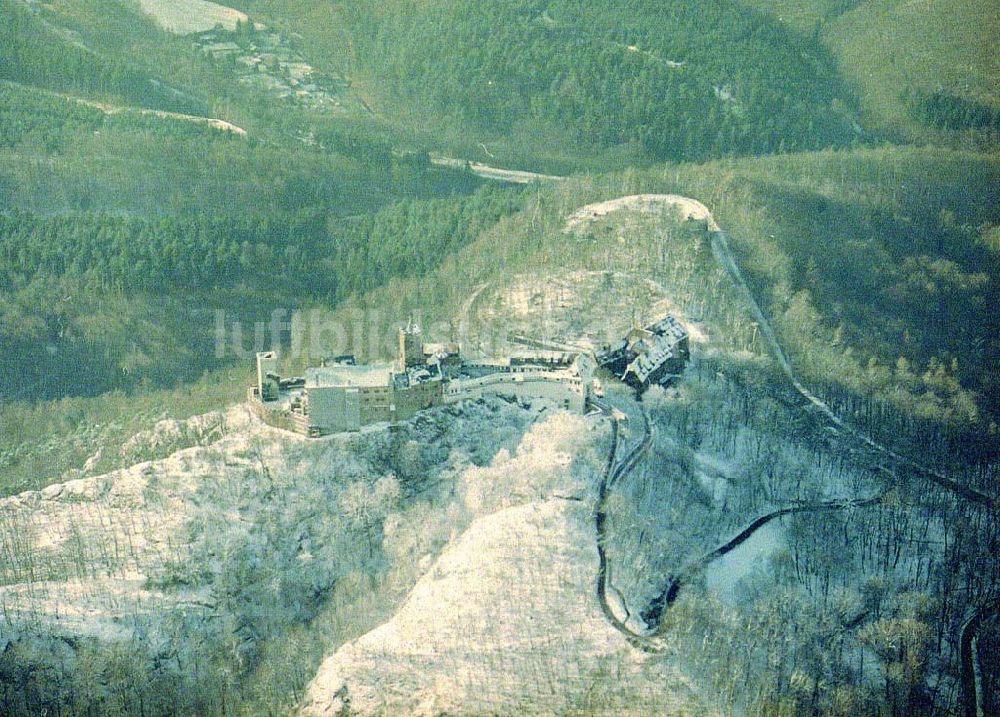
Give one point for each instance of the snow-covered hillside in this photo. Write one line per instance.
(506, 620)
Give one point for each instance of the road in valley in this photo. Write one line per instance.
(497, 174)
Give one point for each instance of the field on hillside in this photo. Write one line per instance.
(187, 16)
(888, 47)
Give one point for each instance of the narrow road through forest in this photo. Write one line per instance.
(615, 470)
(652, 616)
(497, 174)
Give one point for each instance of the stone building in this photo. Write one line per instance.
(343, 396)
(650, 355)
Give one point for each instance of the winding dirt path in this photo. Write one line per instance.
(723, 254)
(612, 471)
(971, 677)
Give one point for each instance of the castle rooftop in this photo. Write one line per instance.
(365, 376)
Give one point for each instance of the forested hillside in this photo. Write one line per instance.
(31, 51)
(81, 317)
(923, 71)
(126, 221)
(681, 80)
(127, 212)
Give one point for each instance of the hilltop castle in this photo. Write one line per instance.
(344, 396)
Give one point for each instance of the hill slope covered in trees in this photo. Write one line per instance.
(547, 80)
(730, 416)
(924, 71)
(122, 231)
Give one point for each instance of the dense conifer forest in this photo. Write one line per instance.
(683, 81)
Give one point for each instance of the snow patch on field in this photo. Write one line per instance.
(751, 559)
(183, 17)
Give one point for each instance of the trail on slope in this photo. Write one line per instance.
(668, 595)
(112, 109)
(108, 109)
(635, 639)
(723, 254)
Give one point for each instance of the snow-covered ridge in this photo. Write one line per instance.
(505, 621)
(80, 551)
(644, 203)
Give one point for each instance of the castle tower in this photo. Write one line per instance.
(267, 369)
(411, 346)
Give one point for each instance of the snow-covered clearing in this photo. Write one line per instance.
(183, 17)
(725, 576)
(644, 203)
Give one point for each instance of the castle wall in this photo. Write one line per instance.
(333, 409)
(563, 387)
(417, 397)
(274, 416)
(375, 404)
